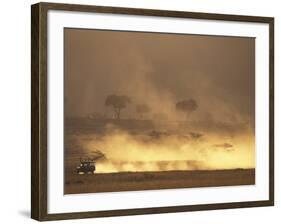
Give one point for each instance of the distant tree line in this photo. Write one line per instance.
(120, 102)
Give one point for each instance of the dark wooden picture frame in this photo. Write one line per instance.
(39, 110)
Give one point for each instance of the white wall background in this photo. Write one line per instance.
(15, 111)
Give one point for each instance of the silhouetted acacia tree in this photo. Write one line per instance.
(187, 106)
(117, 103)
(142, 109)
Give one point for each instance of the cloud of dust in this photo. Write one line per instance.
(127, 152)
(217, 72)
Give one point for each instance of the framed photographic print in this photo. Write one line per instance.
(140, 111)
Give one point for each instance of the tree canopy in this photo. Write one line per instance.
(117, 103)
(187, 106)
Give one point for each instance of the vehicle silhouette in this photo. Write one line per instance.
(88, 165)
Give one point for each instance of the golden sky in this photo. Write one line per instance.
(218, 72)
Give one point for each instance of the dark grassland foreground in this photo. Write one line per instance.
(130, 181)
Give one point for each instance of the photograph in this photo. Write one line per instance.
(145, 111)
(156, 110)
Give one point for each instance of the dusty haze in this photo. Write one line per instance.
(159, 70)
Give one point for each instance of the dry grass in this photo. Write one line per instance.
(113, 182)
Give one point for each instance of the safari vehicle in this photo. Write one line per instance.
(88, 165)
